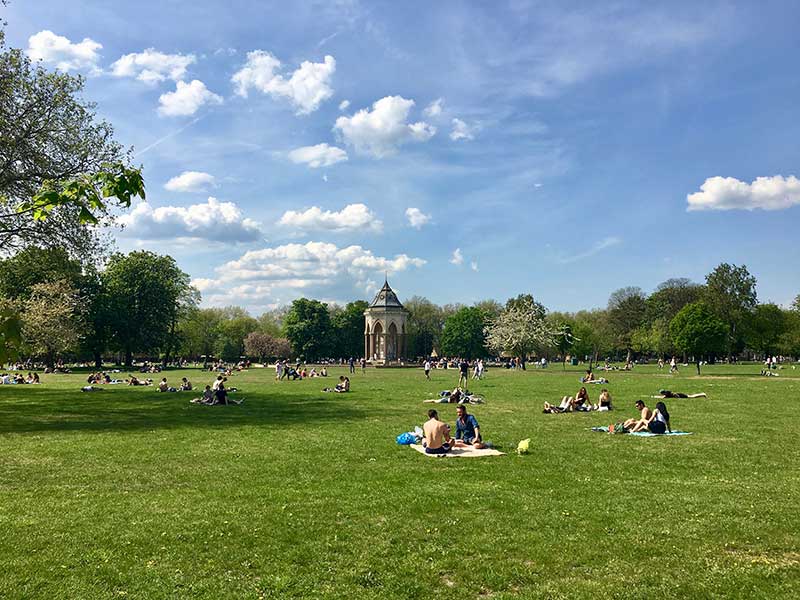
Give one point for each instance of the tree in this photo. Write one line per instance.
(424, 326)
(308, 328)
(491, 308)
(59, 163)
(765, 327)
(697, 331)
(52, 319)
(147, 293)
(348, 327)
(10, 331)
(32, 265)
(626, 313)
(464, 334)
(731, 294)
(234, 327)
(259, 345)
(520, 328)
(198, 331)
(592, 333)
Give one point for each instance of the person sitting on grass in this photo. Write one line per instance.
(658, 421)
(186, 385)
(581, 401)
(468, 433)
(323, 372)
(590, 378)
(603, 401)
(343, 385)
(667, 394)
(163, 386)
(644, 417)
(206, 398)
(437, 435)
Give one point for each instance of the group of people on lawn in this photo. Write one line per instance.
(437, 438)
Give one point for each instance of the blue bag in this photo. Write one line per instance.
(404, 439)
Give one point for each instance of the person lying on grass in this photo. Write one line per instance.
(437, 438)
(468, 433)
(667, 394)
(569, 404)
(657, 422)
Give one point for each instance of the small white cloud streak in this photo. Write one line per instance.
(190, 181)
(416, 218)
(321, 155)
(353, 217)
(457, 258)
(598, 247)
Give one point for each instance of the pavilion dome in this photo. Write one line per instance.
(386, 298)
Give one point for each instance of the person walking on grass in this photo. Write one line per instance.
(427, 368)
(352, 364)
(673, 366)
(463, 370)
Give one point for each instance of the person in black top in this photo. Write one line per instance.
(463, 367)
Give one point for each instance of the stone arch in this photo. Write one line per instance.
(391, 341)
(378, 341)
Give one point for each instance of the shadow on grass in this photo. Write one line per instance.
(40, 409)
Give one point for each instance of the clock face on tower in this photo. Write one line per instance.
(383, 296)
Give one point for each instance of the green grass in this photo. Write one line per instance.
(300, 494)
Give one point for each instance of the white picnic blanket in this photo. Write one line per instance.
(461, 452)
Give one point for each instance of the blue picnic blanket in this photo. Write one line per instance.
(646, 433)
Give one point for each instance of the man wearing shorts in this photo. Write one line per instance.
(437, 435)
(464, 372)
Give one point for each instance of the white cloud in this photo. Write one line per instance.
(434, 109)
(306, 89)
(457, 258)
(344, 104)
(352, 217)
(461, 131)
(474, 266)
(380, 131)
(190, 181)
(265, 275)
(213, 221)
(417, 218)
(728, 193)
(321, 155)
(187, 99)
(152, 66)
(66, 56)
(598, 247)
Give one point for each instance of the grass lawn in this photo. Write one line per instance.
(300, 494)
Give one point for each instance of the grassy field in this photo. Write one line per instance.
(299, 494)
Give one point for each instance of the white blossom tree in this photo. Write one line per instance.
(520, 328)
(51, 319)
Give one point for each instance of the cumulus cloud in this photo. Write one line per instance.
(381, 130)
(63, 54)
(352, 217)
(263, 274)
(728, 193)
(461, 131)
(213, 221)
(434, 109)
(321, 155)
(190, 181)
(187, 99)
(306, 89)
(417, 218)
(457, 257)
(344, 104)
(152, 66)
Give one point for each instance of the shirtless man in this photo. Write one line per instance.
(644, 417)
(437, 435)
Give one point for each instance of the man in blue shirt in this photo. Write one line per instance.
(468, 433)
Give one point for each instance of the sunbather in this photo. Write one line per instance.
(566, 405)
(603, 401)
(644, 417)
(657, 422)
(468, 432)
(667, 394)
(437, 435)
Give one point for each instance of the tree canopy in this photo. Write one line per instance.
(697, 331)
(464, 334)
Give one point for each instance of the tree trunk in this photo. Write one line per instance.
(98, 360)
(698, 367)
(128, 358)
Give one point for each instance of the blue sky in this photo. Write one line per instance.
(472, 150)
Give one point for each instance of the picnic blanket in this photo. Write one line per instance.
(645, 433)
(461, 452)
